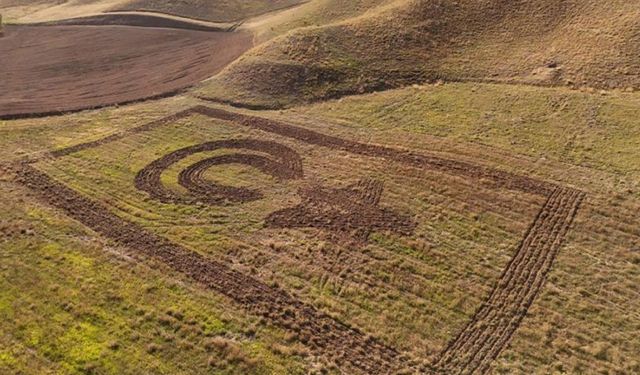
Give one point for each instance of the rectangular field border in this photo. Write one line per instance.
(470, 352)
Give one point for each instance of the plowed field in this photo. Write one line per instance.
(56, 69)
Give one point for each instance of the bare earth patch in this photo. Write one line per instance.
(52, 70)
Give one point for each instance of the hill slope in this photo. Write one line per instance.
(218, 10)
(543, 42)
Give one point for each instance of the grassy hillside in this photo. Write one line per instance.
(69, 307)
(583, 320)
(599, 132)
(542, 42)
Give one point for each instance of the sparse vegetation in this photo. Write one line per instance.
(400, 43)
(477, 215)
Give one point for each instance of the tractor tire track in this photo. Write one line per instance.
(493, 325)
(192, 178)
(494, 177)
(121, 135)
(487, 175)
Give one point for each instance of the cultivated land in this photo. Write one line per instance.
(446, 228)
(57, 69)
(209, 10)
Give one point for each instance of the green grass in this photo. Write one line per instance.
(77, 309)
(65, 300)
(21, 138)
(578, 128)
(409, 275)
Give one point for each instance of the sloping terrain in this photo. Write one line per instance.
(213, 10)
(140, 19)
(447, 229)
(56, 69)
(478, 214)
(217, 10)
(542, 42)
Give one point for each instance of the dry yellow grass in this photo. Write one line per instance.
(581, 326)
(72, 301)
(542, 42)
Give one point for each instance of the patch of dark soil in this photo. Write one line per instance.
(12, 229)
(59, 69)
(284, 164)
(351, 212)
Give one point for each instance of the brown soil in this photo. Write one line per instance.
(471, 351)
(210, 10)
(58, 69)
(286, 164)
(139, 20)
(351, 212)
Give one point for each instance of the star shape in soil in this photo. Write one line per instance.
(350, 212)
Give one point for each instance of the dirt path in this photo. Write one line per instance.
(57, 69)
(470, 352)
(485, 175)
